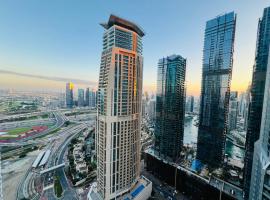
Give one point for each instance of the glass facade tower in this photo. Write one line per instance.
(87, 95)
(260, 178)
(170, 106)
(215, 90)
(257, 94)
(92, 98)
(69, 95)
(119, 109)
(81, 101)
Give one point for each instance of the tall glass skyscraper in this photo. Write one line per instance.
(260, 178)
(92, 98)
(118, 125)
(69, 95)
(81, 101)
(87, 95)
(170, 106)
(215, 89)
(257, 94)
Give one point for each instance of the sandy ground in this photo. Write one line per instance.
(13, 170)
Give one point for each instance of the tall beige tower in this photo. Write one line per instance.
(119, 109)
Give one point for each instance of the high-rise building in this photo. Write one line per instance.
(170, 106)
(189, 104)
(69, 95)
(233, 111)
(144, 106)
(151, 109)
(215, 89)
(257, 94)
(87, 95)
(92, 99)
(241, 106)
(246, 107)
(119, 114)
(260, 177)
(80, 97)
(146, 96)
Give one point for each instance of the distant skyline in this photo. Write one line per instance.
(62, 39)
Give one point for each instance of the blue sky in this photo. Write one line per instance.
(63, 38)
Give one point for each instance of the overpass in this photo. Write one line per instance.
(52, 168)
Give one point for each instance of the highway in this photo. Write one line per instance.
(60, 120)
(35, 186)
(58, 158)
(26, 187)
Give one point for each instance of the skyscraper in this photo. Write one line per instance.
(69, 95)
(189, 104)
(80, 97)
(257, 94)
(87, 94)
(260, 178)
(246, 107)
(92, 99)
(119, 112)
(170, 106)
(215, 89)
(233, 111)
(151, 109)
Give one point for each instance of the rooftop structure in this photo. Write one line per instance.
(115, 20)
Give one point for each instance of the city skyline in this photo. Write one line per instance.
(58, 38)
(135, 101)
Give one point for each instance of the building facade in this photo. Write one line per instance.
(119, 109)
(170, 106)
(260, 178)
(246, 107)
(87, 95)
(81, 101)
(215, 89)
(189, 104)
(233, 111)
(92, 99)
(69, 95)
(151, 109)
(257, 94)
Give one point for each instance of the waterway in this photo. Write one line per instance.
(191, 132)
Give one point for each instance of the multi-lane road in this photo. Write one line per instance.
(59, 122)
(58, 158)
(58, 145)
(36, 186)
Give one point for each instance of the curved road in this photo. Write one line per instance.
(58, 158)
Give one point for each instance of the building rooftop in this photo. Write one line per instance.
(115, 20)
(226, 187)
(141, 189)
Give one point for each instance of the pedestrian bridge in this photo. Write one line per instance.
(52, 168)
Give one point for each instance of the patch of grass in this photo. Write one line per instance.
(7, 137)
(17, 131)
(58, 187)
(54, 131)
